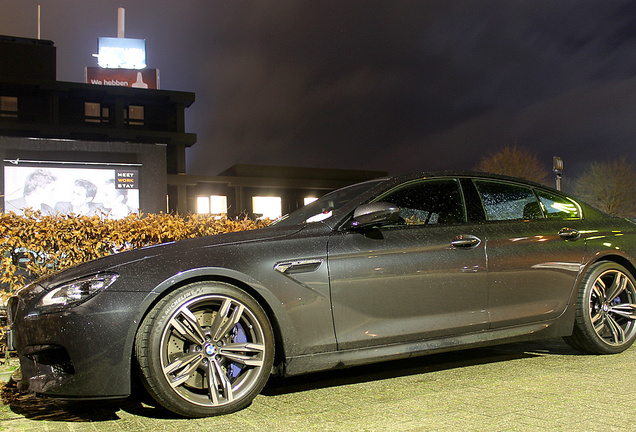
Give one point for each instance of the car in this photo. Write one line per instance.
(385, 269)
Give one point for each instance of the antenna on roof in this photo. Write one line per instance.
(121, 22)
(39, 15)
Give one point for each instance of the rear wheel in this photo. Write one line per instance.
(605, 311)
(205, 349)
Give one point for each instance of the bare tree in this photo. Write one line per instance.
(609, 186)
(516, 162)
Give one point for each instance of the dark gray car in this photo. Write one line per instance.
(381, 270)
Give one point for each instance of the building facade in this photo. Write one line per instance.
(88, 149)
(70, 134)
(258, 190)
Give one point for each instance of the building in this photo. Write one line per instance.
(259, 190)
(77, 131)
(124, 138)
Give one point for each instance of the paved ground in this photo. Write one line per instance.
(521, 387)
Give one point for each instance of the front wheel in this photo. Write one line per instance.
(205, 349)
(606, 310)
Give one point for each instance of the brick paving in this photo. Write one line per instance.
(533, 386)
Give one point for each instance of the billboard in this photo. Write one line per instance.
(121, 53)
(106, 192)
(145, 78)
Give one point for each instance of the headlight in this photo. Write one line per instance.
(78, 290)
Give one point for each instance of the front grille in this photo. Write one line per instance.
(45, 367)
(55, 357)
(12, 308)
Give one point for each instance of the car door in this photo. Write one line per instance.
(420, 278)
(534, 251)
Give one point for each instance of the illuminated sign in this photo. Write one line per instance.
(146, 78)
(122, 53)
(105, 192)
(126, 179)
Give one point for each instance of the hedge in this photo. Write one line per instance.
(34, 245)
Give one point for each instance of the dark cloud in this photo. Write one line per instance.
(393, 86)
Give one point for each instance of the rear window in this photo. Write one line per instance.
(558, 207)
(507, 201)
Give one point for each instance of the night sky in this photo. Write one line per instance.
(382, 85)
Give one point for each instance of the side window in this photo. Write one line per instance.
(428, 202)
(557, 207)
(507, 201)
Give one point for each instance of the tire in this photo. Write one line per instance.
(205, 349)
(605, 320)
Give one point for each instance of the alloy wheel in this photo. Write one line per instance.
(212, 350)
(613, 307)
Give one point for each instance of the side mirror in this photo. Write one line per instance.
(374, 215)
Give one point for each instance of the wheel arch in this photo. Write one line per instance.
(615, 258)
(599, 258)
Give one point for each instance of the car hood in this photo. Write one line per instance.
(113, 261)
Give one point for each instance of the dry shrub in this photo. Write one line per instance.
(35, 245)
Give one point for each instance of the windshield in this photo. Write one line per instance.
(323, 208)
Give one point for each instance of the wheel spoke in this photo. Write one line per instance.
(618, 335)
(182, 368)
(222, 322)
(599, 324)
(597, 320)
(247, 354)
(220, 317)
(219, 385)
(626, 310)
(598, 290)
(618, 286)
(187, 326)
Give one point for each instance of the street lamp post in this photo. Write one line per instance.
(557, 167)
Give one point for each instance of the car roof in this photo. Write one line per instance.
(474, 174)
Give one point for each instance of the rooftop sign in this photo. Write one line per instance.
(124, 53)
(146, 78)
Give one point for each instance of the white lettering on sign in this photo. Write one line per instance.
(116, 82)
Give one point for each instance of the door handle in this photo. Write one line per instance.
(466, 241)
(569, 234)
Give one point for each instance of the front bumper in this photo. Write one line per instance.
(81, 352)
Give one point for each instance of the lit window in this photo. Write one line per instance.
(135, 115)
(309, 200)
(8, 106)
(95, 113)
(203, 205)
(267, 207)
(92, 112)
(213, 204)
(218, 204)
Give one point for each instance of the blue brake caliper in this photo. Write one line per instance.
(238, 336)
